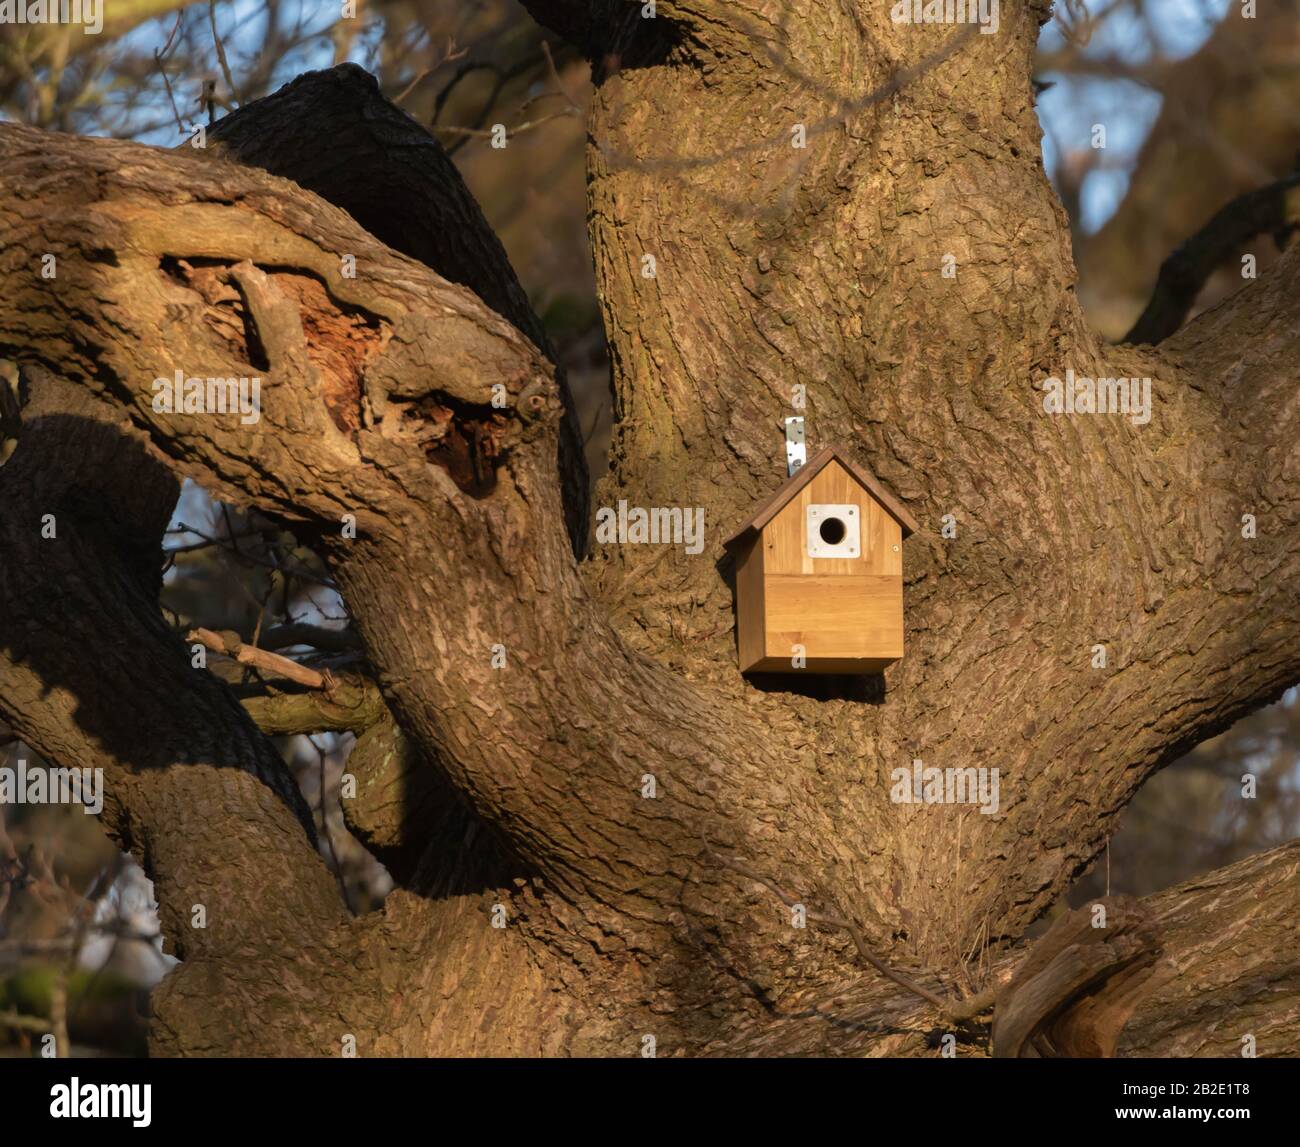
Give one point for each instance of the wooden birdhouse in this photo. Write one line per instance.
(819, 567)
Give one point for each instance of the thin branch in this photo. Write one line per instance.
(555, 78)
(266, 563)
(228, 642)
(467, 68)
(502, 77)
(448, 55)
(158, 57)
(208, 543)
(518, 129)
(24, 1023)
(221, 54)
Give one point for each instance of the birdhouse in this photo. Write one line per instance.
(819, 572)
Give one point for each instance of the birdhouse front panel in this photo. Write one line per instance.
(821, 579)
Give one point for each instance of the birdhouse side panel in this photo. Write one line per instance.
(750, 606)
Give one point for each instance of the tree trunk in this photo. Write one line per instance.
(775, 266)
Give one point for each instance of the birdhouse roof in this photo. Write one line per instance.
(772, 505)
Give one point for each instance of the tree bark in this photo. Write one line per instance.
(774, 266)
(413, 199)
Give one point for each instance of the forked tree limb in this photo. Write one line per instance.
(155, 239)
(179, 755)
(202, 799)
(384, 415)
(820, 272)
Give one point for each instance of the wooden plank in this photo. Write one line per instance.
(855, 665)
(749, 605)
(837, 616)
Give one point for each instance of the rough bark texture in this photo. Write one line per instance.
(1225, 967)
(412, 198)
(775, 266)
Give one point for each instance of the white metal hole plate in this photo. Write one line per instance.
(849, 546)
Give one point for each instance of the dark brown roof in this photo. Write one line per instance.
(774, 503)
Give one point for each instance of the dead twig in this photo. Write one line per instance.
(518, 129)
(24, 1023)
(448, 55)
(158, 58)
(229, 643)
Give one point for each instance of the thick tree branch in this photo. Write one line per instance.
(354, 705)
(375, 438)
(1159, 977)
(192, 788)
(1073, 992)
(1272, 210)
(1230, 966)
(387, 172)
(825, 280)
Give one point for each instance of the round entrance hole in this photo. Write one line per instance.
(832, 531)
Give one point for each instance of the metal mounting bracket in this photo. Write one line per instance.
(796, 453)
